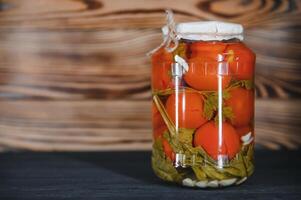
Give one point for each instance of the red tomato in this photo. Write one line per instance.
(190, 109)
(207, 50)
(203, 66)
(241, 61)
(168, 150)
(161, 66)
(159, 131)
(156, 117)
(207, 137)
(242, 103)
(203, 75)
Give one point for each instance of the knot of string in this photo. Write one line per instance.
(171, 41)
(171, 38)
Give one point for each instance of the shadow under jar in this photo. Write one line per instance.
(203, 106)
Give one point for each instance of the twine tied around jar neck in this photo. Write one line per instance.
(171, 41)
(196, 31)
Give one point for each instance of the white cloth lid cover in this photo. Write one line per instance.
(207, 31)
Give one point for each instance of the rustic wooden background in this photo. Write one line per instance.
(74, 75)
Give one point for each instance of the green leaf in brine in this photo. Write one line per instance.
(250, 153)
(226, 95)
(248, 84)
(205, 167)
(211, 106)
(242, 164)
(197, 156)
(249, 158)
(214, 173)
(232, 171)
(182, 137)
(185, 136)
(206, 157)
(199, 173)
(236, 167)
(162, 166)
(227, 114)
(165, 170)
(239, 164)
(173, 141)
(250, 168)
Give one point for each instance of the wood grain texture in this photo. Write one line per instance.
(74, 75)
(107, 125)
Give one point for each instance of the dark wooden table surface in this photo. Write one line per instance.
(128, 175)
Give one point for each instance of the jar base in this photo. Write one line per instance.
(187, 182)
(205, 184)
(190, 181)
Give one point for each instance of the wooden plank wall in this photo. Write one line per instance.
(74, 75)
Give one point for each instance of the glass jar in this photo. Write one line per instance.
(203, 106)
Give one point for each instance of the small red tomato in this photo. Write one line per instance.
(242, 103)
(241, 61)
(187, 110)
(156, 117)
(159, 131)
(203, 75)
(207, 136)
(206, 58)
(161, 66)
(168, 150)
(207, 50)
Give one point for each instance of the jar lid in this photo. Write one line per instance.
(207, 31)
